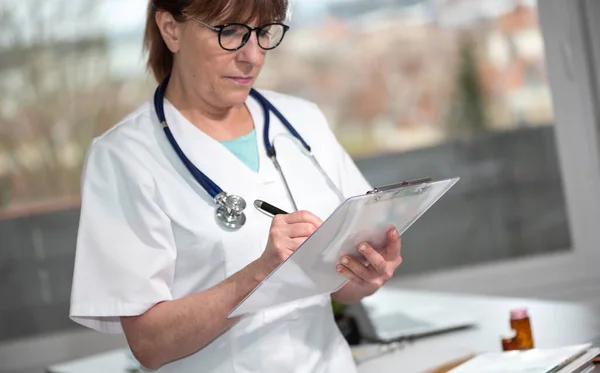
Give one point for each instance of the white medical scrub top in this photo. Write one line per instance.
(148, 234)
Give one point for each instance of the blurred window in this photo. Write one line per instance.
(437, 88)
(441, 89)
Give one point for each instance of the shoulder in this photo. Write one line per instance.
(128, 144)
(135, 127)
(135, 134)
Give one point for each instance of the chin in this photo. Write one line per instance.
(236, 96)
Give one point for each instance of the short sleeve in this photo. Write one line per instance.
(125, 255)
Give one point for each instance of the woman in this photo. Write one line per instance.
(153, 262)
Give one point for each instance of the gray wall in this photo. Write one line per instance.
(509, 203)
(36, 265)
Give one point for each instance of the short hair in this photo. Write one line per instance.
(160, 58)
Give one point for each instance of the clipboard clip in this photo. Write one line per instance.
(400, 185)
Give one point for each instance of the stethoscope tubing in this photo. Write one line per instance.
(210, 186)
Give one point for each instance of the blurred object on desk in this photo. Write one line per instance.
(521, 337)
(393, 315)
(556, 324)
(520, 322)
(364, 353)
(509, 342)
(447, 367)
(552, 360)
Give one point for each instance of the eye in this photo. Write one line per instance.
(264, 33)
(234, 31)
(229, 31)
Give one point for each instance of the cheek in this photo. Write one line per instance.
(197, 52)
(205, 65)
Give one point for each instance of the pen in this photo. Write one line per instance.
(268, 208)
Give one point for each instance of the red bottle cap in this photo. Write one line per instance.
(518, 314)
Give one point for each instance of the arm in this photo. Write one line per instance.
(124, 284)
(175, 329)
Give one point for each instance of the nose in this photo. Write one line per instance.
(251, 53)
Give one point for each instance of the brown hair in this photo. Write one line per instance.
(160, 58)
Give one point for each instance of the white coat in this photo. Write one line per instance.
(148, 234)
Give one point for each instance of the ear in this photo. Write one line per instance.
(170, 29)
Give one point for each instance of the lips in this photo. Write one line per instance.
(241, 80)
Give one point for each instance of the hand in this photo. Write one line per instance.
(378, 269)
(286, 234)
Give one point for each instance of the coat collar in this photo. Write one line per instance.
(214, 159)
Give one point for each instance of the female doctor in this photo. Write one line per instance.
(156, 261)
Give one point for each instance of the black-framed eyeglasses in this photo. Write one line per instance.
(234, 36)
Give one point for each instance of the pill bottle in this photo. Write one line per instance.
(521, 324)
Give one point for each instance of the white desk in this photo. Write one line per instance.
(554, 324)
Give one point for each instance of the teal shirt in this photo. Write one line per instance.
(245, 149)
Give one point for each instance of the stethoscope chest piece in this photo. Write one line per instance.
(230, 211)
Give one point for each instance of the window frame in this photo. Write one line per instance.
(572, 48)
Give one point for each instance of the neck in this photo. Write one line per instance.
(220, 123)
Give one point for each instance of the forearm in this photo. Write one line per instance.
(176, 329)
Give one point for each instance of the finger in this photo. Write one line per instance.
(376, 260)
(342, 270)
(359, 269)
(298, 230)
(392, 248)
(302, 217)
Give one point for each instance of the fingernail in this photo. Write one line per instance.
(345, 261)
(394, 233)
(340, 269)
(362, 248)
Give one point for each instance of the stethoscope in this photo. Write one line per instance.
(230, 208)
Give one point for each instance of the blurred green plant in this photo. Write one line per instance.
(338, 308)
(467, 114)
(5, 188)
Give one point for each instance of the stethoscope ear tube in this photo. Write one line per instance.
(268, 107)
(327, 178)
(285, 182)
(230, 208)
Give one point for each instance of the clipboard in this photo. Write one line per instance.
(310, 270)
